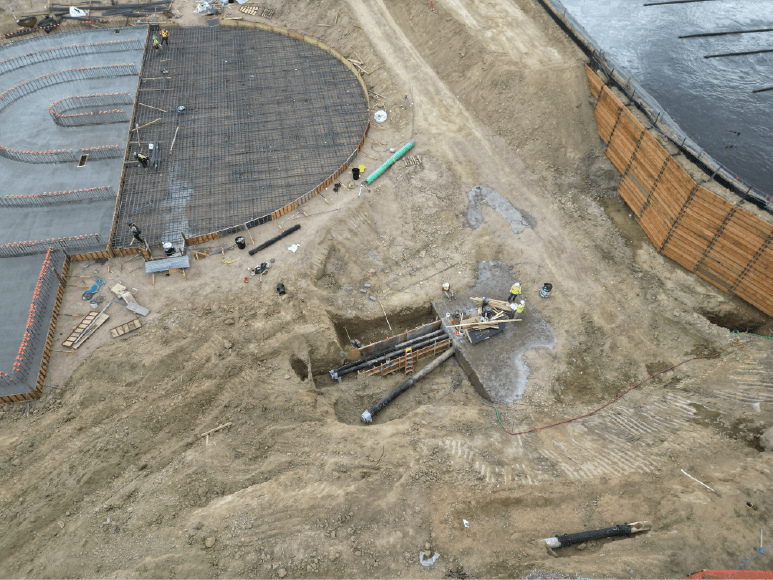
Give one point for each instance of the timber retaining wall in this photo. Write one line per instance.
(713, 238)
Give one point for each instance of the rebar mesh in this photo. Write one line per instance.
(267, 119)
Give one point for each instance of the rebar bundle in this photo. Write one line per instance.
(72, 50)
(58, 108)
(58, 197)
(73, 244)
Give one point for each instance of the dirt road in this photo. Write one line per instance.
(109, 474)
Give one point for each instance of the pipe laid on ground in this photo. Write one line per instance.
(267, 243)
(387, 351)
(367, 416)
(398, 352)
(579, 538)
(389, 162)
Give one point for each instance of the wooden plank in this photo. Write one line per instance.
(653, 227)
(754, 296)
(631, 194)
(594, 81)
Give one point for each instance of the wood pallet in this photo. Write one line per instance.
(82, 325)
(263, 12)
(126, 328)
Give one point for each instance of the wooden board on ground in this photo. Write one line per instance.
(126, 328)
(82, 325)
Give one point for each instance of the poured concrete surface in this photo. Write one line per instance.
(497, 366)
(27, 125)
(18, 277)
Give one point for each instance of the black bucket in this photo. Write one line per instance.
(168, 248)
(544, 292)
(240, 242)
(281, 289)
(355, 173)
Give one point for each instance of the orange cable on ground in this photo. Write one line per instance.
(620, 396)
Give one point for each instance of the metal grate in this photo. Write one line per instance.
(267, 119)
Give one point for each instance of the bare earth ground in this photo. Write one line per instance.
(110, 477)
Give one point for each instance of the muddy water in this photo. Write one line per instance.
(711, 99)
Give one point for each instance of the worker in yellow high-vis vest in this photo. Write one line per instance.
(515, 291)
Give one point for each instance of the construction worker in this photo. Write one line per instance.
(143, 159)
(156, 43)
(447, 290)
(164, 37)
(517, 308)
(515, 291)
(135, 232)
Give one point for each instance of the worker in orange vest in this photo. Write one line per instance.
(164, 37)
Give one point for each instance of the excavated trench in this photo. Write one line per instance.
(357, 392)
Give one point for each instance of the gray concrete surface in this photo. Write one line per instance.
(497, 367)
(481, 195)
(72, 219)
(26, 125)
(18, 277)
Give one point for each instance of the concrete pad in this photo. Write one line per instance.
(18, 278)
(496, 366)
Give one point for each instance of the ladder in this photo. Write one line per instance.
(408, 360)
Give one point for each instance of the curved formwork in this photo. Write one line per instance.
(244, 122)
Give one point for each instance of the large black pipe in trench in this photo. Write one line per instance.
(267, 243)
(424, 341)
(344, 369)
(368, 415)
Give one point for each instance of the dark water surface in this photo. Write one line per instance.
(710, 99)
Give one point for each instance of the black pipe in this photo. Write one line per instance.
(738, 53)
(267, 243)
(579, 538)
(388, 350)
(424, 341)
(725, 33)
(367, 416)
(676, 2)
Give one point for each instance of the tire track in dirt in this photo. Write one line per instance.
(471, 150)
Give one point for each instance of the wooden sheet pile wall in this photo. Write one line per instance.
(718, 241)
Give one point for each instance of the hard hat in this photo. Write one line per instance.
(523, 302)
(446, 286)
(518, 284)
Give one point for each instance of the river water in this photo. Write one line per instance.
(710, 99)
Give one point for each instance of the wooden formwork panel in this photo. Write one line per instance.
(644, 171)
(665, 213)
(682, 251)
(632, 195)
(655, 229)
(617, 158)
(605, 121)
(594, 81)
(749, 293)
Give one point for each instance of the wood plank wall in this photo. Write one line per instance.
(720, 242)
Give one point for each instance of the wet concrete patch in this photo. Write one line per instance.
(497, 366)
(480, 195)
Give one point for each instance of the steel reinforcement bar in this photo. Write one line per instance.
(72, 244)
(22, 89)
(72, 50)
(58, 109)
(58, 197)
(62, 155)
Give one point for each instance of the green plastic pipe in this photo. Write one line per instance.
(389, 162)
